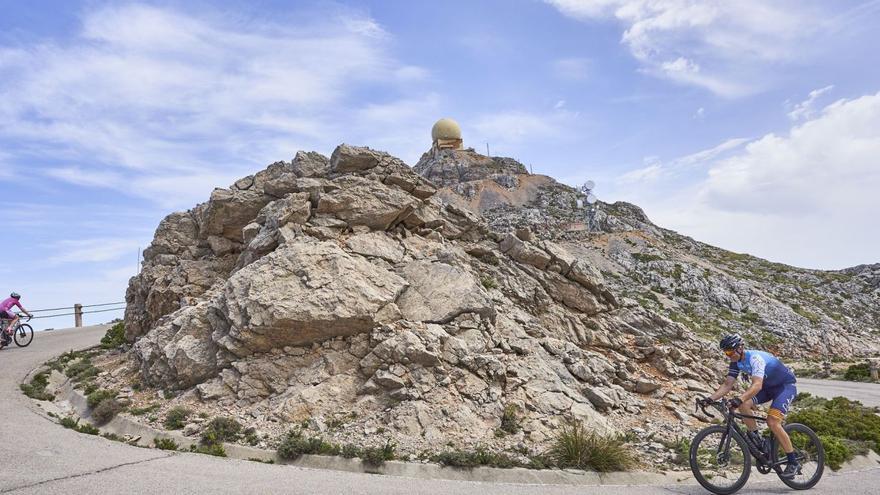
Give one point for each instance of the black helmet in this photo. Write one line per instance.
(15, 295)
(731, 342)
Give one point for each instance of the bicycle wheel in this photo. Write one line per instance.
(810, 453)
(720, 472)
(23, 335)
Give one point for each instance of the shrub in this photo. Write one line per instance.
(470, 459)
(88, 429)
(175, 419)
(836, 452)
(36, 389)
(295, 444)
(841, 418)
(114, 337)
(81, 370)
(213, 449)
(376, 456)
(574, 447)
(95, 398)
(165, 443)
(509, 419)
(106, 410)
(858, 373)
(488, 282)
(140, 411)
(69, 422)
(221, 430)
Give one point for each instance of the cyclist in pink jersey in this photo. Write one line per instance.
(6, 313)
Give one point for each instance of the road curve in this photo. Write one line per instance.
(42, 457)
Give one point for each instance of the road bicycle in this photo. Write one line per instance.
(22, 334)
(721, 455)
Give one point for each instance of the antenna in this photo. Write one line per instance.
(487, 150)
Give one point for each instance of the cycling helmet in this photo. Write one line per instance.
(15, 295)
(731, 341)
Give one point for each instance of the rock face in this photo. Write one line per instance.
(352, 283)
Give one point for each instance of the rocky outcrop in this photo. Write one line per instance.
(347, 284)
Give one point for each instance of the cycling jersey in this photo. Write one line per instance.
(7, 304)
(778, 385)
(764, 365)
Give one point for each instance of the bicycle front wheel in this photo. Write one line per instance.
(721, 466)
(23, 336)
(810, 453)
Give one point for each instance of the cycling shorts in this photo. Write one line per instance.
(6, 315)
(782, 396)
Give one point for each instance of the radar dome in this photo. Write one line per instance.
(446, 129)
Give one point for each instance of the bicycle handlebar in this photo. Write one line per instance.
(720, 404)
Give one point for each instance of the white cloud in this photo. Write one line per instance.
(805, 109)
(657, 169)
(716, 45)
(700, 113)
(146, 95)
(807, 197)
(93, 250)
(572, 69)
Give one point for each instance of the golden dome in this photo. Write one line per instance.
(445, 129)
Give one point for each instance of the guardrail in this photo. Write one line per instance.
(78, 311)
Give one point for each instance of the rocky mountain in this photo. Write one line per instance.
(431, 302)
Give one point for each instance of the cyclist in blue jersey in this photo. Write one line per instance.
(771, 381)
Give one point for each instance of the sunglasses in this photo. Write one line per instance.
(729, 352)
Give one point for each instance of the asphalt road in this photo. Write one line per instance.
(39, 456)
(867, 393)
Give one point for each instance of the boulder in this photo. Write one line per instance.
(439, 292)
(365, 202)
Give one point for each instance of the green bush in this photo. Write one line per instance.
(510, 419)
(219, 430)
(95, 398)
(69, 422)
(681, 446)
(106, 410)
(294, 444)
(165, 444)
(140, 411)
(841, 418)
(574, 447)
(858, 373)
(175, 419)
(376, 456)
(213, 449)
(88, 429)
(114, 337)
(471, 459)
(836, 451)
(36, 389)
(488, 282)
(81, 370)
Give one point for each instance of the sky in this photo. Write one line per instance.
(750, 125)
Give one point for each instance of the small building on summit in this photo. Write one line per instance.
(446, 134)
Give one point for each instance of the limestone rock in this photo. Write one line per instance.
(439, 292)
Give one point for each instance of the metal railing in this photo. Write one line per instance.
(78, 311)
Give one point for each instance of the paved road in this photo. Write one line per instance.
(41, 457)
(867, 393)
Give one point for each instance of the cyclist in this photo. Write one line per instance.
(7, 314)
(770, 381)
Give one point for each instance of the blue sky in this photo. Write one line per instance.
(751, 125)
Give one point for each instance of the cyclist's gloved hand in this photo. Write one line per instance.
(735, 402)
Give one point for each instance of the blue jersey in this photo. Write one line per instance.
(762, 365)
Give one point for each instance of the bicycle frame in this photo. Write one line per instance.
(733, 428)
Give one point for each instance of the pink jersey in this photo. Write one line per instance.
(8, 303)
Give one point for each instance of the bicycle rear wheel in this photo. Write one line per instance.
(810, 453)
(719, 471)
(23, 335)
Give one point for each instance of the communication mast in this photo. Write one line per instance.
(590, 206)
